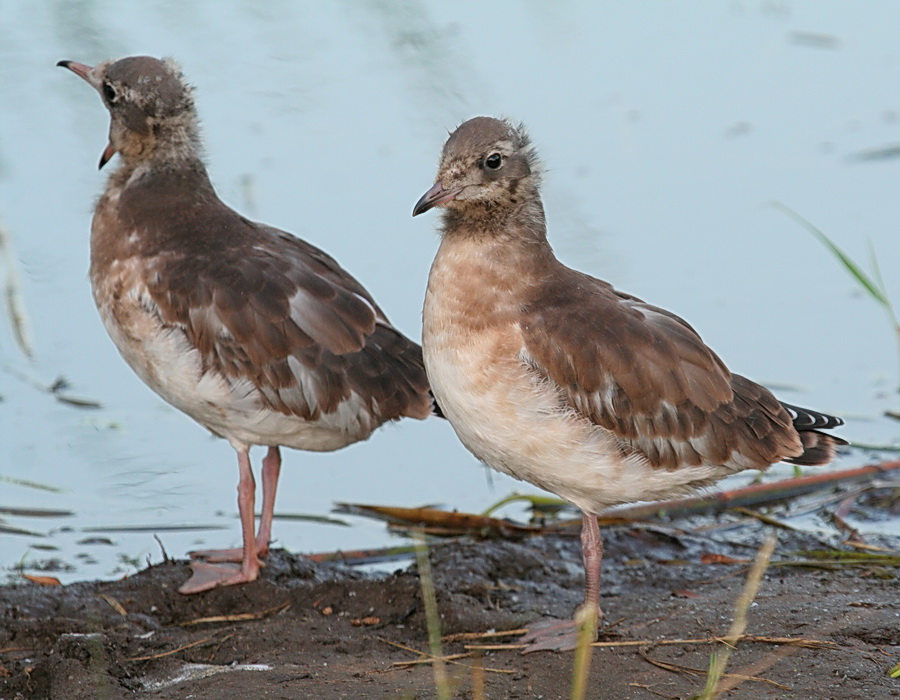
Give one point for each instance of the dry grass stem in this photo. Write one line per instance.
(739, 624)
(115, 604)
(586, 618)
(462, 636)
(433, 620)
(767, 519)
(478, 677)
(240, 617)
(756, 638)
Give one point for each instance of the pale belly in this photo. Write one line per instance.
(514, 421)
(229, 407)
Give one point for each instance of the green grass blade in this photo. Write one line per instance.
(867, 283)
(876, 271)
(537, 501)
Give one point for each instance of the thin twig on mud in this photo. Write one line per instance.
(461, 636)
(789, 641)
(690, 670)
(767, 519)
(426, 658)
(114, 604)
(649, 689)
(240, 617)
(181, 648)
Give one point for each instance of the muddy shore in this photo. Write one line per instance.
(330, 631)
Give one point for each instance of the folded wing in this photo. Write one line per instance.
(646, 376)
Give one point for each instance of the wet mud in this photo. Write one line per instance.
(330, 631)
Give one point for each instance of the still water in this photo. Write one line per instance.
(667, 130)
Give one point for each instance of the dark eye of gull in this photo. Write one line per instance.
(109, 92)
(493, 161)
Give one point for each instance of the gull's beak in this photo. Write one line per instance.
(86, 73)
(434, 197)
(107, 155)
(79, 69)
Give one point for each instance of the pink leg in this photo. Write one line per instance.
(592, 556)
(270, 471)
(206, 575)
(562, 635)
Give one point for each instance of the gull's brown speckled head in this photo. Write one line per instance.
(151, 107)
(486, 163)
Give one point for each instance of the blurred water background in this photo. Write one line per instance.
(667, 129)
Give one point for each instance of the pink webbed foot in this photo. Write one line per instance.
(235, 554)
(215, 567)
(562, 635)
(206, 576)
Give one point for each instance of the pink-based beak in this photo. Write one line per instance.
(434, 197)
(83, 71)
(79, 69)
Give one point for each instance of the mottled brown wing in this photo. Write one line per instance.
(261, 304)
(644, 374)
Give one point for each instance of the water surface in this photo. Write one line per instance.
(667, 129)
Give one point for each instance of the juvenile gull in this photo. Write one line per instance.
(556, 378)
(257, 335)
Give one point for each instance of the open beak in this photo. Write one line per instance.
(434, 197)
(85, 72)
(106, 156)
